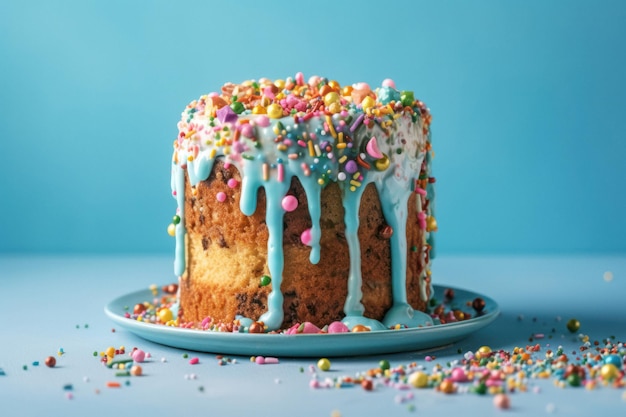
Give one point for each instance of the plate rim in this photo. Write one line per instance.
(361, 343)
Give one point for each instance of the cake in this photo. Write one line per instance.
(304, 202)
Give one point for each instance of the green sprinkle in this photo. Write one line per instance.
(265, 280)
(122, 373)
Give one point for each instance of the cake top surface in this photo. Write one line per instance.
(294, 96)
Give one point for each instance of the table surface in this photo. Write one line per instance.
(54, 303)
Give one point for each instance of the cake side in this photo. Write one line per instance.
(227, 257)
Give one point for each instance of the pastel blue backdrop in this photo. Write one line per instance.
(527, 97)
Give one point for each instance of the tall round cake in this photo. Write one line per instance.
(304, 201)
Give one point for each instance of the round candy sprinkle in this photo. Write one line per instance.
(418, 379)
(50, 362)
(290, 203)
(232, 183)
(367, 384)
(384, 364)
(609, 372)
(360, 328)
(573, 325)
(275, 111)
(139, 308)
(165, 315)
(171, 229)
(388, 82)
(256, 327)
(323, 364)
(478, 304)
(138, 355)
(483, 352)
(305, 237)
(502, 401)
(265, 280)
(136, 370)
(221, 196)
(447, 387)
(615, 360)
(351, 167)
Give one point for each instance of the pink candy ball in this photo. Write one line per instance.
(290, 203)
(502, 401)
(458, 375)
(262, 121)
(388, 82)
(138, 355)
(305, 237)
(247, 130)
(221, 197)
(232, 183)
(338, 327)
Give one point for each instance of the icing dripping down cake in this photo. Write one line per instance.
(304, 201)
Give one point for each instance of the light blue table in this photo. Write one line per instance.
(52, 303)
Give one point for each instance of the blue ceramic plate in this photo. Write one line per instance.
(307, 345)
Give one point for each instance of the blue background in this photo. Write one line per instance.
(527, 97)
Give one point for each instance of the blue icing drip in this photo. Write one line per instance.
(274, 193)
(351, 200)
(313, 194)
(249, 188)
(179, 259)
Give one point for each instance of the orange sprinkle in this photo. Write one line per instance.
(113, 384)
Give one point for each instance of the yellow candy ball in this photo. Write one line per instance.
(165, 315)
(483, 352)
(368, 103)
(431, 224)
(331, 98)
(608, 372)
(275, 111)
(418, 379)
(323, 364)
(258, 109)
(334, 85)
(346, 91)
(280, 84)
(382, 163)
(171, 229)
(334, 108)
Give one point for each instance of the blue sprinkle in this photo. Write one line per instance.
(2, 372)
